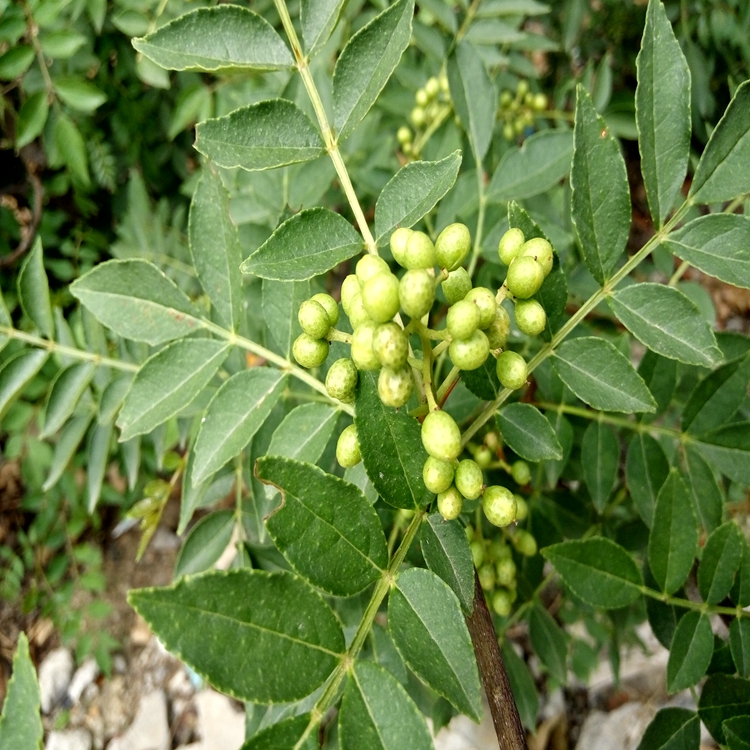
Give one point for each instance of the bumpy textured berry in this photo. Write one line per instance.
(441, 436)
(525, 276)
(309, 352)
(457, 285)
(450, 503)
(420, 252)
(469, 479)
(395, 386)
(452, 246)
(437, 475)
(398, 244)
(329, 304)
(485, 301)
(522, 508)
(347, 447)
(483, 457)
(463, 319)
(520, 472)
(499, 330)
(417, 292)
(368, 266)
(380, 296)
(341, 380)
(313, 319)
(477, 553)
(362, 352)
(512, 370)
(390, 346)
(499, 505)
(510, 245)
(468, 354)
(357, 313)
(524, 543)
(349, 288)
(530, 317)
(486, 575)
(539, 249)
(501, 603)
(505, 571)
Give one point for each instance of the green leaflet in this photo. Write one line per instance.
(549, 643)
(21, 721)
(31, 118)
(721, 558)
(736, 731)
(67, 389)
(728, 449)
(71, 436)
(261, 615)
(708, 497)
(646, 469)
(527, 432)
(660, 376)
(33, 290)
(224, 39)
(723, 698)
(325, 527)
(305, 432)
(690, 652)
(318, 19)
(600, 458)
(739, 641)
(265, 135)
(99, 441)
(16, 372)
(522, 684)
(204, 543)
(283, 735)
(672, 729)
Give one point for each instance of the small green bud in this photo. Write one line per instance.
(347, 447)
(313, 319)
(380, 296)
(441, 436)
(420, 252)
(450, 503)
(368, 266)
(499, 330)
(485, 300)
(508, 132)
(357, 314)
(540, 102)
(499, 505)
(468, 354)
(522, 508)
(492, 441)
(398, 244)
(463, 319)
(541, 251)
(525, 276)
(524, 543)
(417, 117)
(421, 98)
(341, 380)
(506, 97)
(483, 457)
(457, 285)
(452, 246)
(403, 135)
(395, 386)
(501, 603)
(510, 245)
(469, 479)
(530, 317)
(522, 88)
(520, 472)
(477, 553)
(329, 304)
(309, 352)
(512, 370)
(432, 87)
(486, 575)
(390, 346)
(437, 475)
(349, 287)
(362, 352)
(417, 292)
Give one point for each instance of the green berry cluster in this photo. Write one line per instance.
(431, 104)
(520, 109)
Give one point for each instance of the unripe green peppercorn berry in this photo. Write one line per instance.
(485, 301)
(357, 313)
(505, 571)
(309, 352)
(483, 457)
(398, 244)
(441, 436)
(477, 553)
(522, 508)
(524, 543)
(512, 370)
(395, 386)
(437, 475)
(499, 550)
(420, 252)
(347, 447)
(341, 380)
(540, 102)
(541, 250)
(520, 472)
(421, 98)
(457, 285)
(501, 603)
(463, 319)
(499, 330)
(450, 503)
(469, 479)
(486, 575)
(525, 276)
(368, 266)
(390, 346)
(362, 352)
(452, 246)
(349, 288)
(417, 292)
(403, 135)
(313, 319)
(510, 245)
(417, 117)
(380, 296)
(530, 317)
(329, 304)
(499, 505)
(468, 354)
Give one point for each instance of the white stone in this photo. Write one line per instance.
(54, 677)
(72, 739)
(621, 729)
(83, 677)
(150, 729)
(220, 725)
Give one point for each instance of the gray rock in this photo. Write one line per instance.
(54, 677)
(83, 677)
(150, 729)
(71, 739)
(621, 729)
(220, 725)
